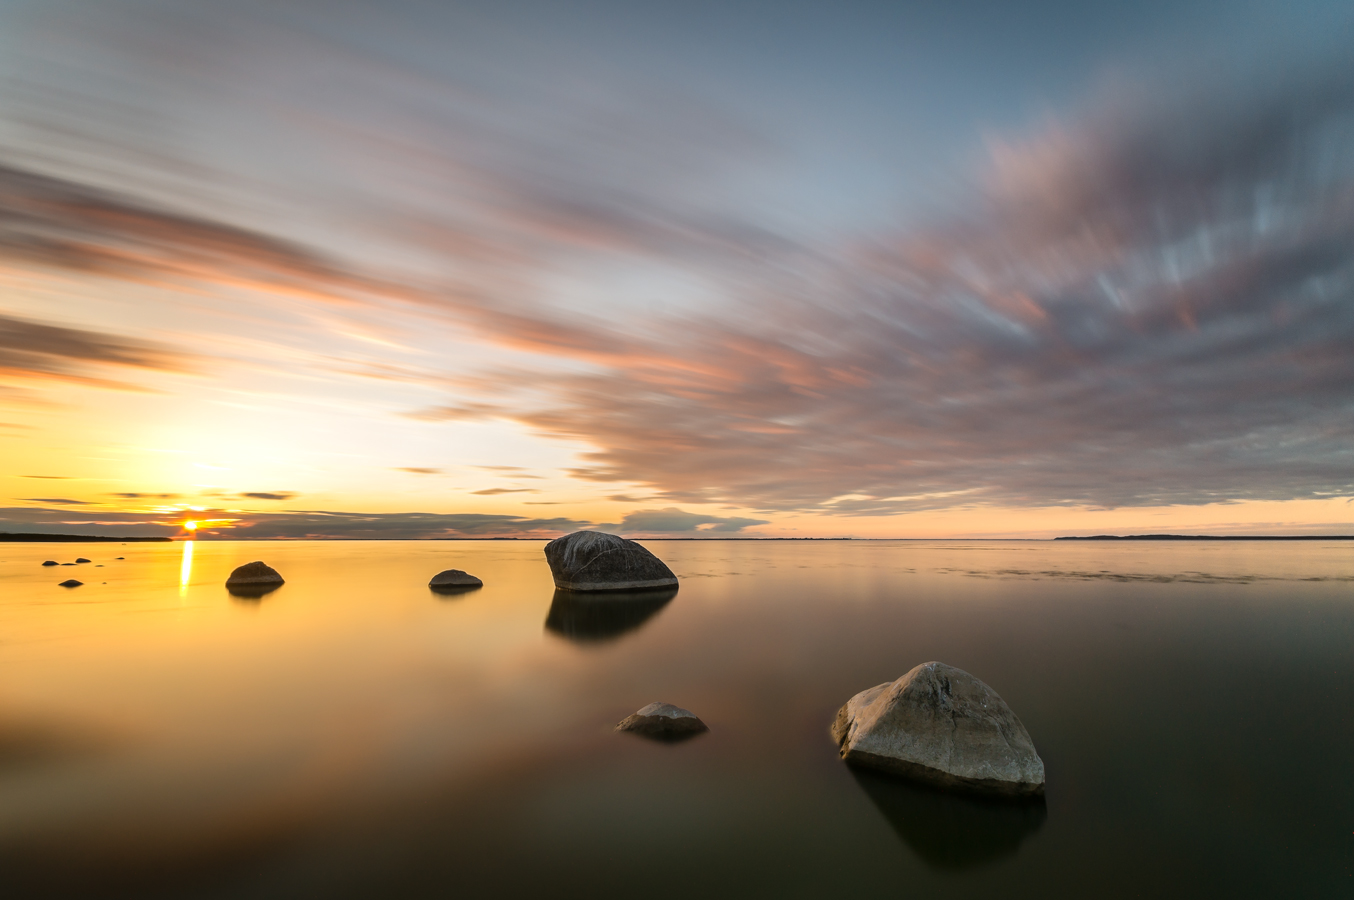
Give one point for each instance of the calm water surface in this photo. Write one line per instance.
(354, 735)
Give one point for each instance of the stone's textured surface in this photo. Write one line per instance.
(941, 725)
(51, 562)
(454, 579)
(81, 559)
(70, 582)
(254, 574)
(595, 561)
(663, 721)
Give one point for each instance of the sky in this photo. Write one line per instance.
(418, 269)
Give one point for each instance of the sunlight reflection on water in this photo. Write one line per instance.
(186, 567)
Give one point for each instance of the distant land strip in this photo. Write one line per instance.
(75, 538)
(1211, 537)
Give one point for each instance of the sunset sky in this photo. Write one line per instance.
(423, 269)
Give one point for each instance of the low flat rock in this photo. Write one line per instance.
(596, 561)
(81, 559)
(70, 582)
(51, 562)
(453, 580)
(254, 574)
(663, 721)
(940, 725)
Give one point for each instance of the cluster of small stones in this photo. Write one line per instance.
(71, 582)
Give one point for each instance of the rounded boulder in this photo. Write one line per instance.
(596, 561)
(254, 574)
(940, 725)
(453, 580)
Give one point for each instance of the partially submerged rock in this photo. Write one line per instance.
(51, 562)
(940, 725)
(663, 721)
(596, 561)
(81, 559)
(70, 582)
(253, 579)
(454, 581)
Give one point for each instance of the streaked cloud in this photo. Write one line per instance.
(419, 470)
(321, 524)
(30, 349)
(1152, 306)
(112, 523)
(268, 495)
(290, 525)
(675, 521)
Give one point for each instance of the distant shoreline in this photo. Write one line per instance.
(74, 539)
(1211, 537)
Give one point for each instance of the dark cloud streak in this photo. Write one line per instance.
(676, 521)
(31, 349)
(293, 524)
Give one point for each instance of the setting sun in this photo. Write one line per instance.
(190, 526)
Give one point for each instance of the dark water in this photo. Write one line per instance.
(353, 734)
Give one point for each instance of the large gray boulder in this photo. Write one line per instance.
(940, 725)
(595, 561)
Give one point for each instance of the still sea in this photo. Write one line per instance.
(353, 734)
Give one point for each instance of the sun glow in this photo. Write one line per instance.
(190, 526)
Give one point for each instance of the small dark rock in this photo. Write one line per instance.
(81, 559)
(664, 722)
(454, 581)
(70, 582)
(119, 557)
(51, 562)
(68, 564)
(254, 574)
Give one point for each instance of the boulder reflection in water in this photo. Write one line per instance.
(251, 591)
(603, 616)
(952, 831)
(453, 590)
